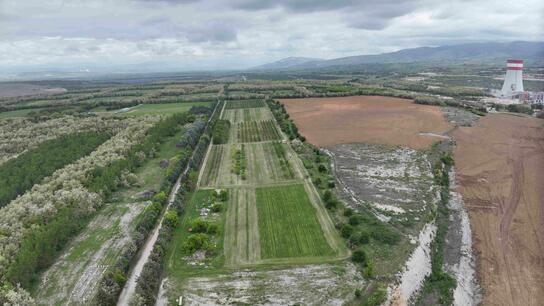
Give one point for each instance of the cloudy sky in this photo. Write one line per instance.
(227, 34)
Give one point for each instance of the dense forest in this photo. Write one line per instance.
(20, 174)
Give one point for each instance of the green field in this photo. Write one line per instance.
(244, 104)
(288, 226)
(162, 109)
(254, 131)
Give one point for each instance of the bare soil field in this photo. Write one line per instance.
(305, 285)
(370, 119)
(500, 170)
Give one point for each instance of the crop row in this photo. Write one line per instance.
(213, 165)
(239, 162)
(252, 131)
(245, 104)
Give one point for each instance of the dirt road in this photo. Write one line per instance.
(500, 166)
(370, 119)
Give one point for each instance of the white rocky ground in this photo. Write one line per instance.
(459, 257)
(416, 269)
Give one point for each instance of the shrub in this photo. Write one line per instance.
(217, 207)
(194, 242)
(348, 212)
(346, 230)
(359, 256)
(322, 168)
(364, 237)
(355, 220)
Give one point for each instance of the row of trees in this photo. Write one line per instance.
(36, 226)
(18, 135)
(19, 174)
(150, 279)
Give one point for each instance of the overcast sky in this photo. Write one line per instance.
(208, 34)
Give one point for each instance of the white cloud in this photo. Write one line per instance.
(235, 34)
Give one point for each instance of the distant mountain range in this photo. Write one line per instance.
(289, 62)
(482, 52)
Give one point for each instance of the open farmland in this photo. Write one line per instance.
(500, 170)
(273, 215)
(370, 119)
(288, 226)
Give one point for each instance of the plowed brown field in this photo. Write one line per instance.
(500, 168)
(371, 119)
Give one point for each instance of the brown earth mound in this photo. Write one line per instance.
(500, 168)
(371, 119)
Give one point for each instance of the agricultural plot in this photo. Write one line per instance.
(253, 131)
(75, 277)
(183, 258)
(288, 226)
(211, 170)
(264, 163)
(245, 104)
(247, 114)
(242, 245)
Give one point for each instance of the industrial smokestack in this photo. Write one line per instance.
(512, 81)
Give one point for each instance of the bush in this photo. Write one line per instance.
(364, 237)
(348, 212)
(354, 220)
(217, 207)
(385, 235)
(359, 256)
(322, 168)
(194, 242)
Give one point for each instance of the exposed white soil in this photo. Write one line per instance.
(463, 268)
(416, 269)
(307, 285)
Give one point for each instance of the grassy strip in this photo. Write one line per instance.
(288, 225)
(20, 174)
(439, 282)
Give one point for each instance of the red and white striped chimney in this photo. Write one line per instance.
(513, 81)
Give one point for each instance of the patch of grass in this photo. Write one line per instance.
(288, 226)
